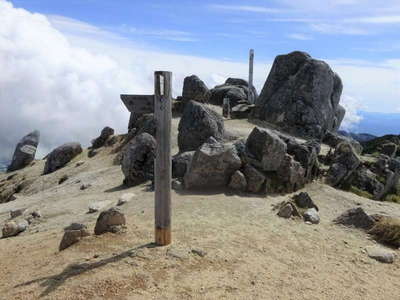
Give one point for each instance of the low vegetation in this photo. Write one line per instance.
(387, 230)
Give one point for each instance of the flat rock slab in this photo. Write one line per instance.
(381, 254)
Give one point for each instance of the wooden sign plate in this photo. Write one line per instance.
(139, 104)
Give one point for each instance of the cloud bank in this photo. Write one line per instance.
(63, 77)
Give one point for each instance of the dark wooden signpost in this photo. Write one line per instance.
(160, 104)
(251, 70)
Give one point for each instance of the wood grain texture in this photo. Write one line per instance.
(163, 115)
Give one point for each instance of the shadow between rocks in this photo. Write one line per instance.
(52, 283)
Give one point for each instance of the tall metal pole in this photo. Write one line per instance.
(251, 67)
(163, 115)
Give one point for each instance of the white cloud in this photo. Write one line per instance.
(244, 8)
(352, 118)
(342, 29)
(300, 36)
(389, 19)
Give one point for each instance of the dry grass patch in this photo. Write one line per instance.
(387, 230)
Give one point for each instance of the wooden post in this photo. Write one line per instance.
(226, 108)
(251, 67)
(162, 113)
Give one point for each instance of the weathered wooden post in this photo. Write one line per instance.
(226, 108)
(251, 68)
(162, 113)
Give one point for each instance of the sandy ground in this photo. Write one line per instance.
(250, 253)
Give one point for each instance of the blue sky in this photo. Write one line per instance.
(331, 29)
(65, 63)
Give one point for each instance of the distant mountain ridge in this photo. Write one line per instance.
(378, 124)
(3, 166)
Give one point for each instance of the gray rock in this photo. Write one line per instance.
(85, 186)
(13, 228)
(197, 124)
(25, 151)
(195, 89)
(286, 210)
(102, 139)
(146, 124)
(72, 235)
(97, 206)
(177, 185)
(235, 89)
(303, 200)
(109, 221)
(334, 139)
(366, 180)
(380, 254)
(241, 111)
(213, 165)
(267, 148)
(307, 154)
(311, 215)
(344, 162)
(17, 212)
(181, 163)
(138, 159)
(301, 96)
(290, 176)
(255, 179)
(238, 181)
(60, 156)
(355, 217)
(125, 198)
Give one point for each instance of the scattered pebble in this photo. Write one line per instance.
(199, 252)
(125, 198)
(381, 254)
(85, 186)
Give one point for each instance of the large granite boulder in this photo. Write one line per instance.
(60, 156)
(195, 89)
(301, 96)
(344, 162)
(290, 176)
(367, 181)
(138, 159)
(213, 165)
(181, 163)
(333, 139)
(266, 149)
(198, 123)
(101, 140)
(25, 151)
(235, 89)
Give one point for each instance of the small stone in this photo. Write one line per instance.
(177, 253)
(17, 213)
(355, 217)
(85, 186)
(177, 185)
(110, 220)
(72, 235)
(97, 206)
(381, 254)
(14, 228)
(36, 214)
(199, 252)
(238, 181)
(311, 215)
(79, 163)
(303, 200)
(125, 198)
(286, 211)
(63, 179)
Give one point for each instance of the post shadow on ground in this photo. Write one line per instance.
(53, 282)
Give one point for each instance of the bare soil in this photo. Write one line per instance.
(225, 245)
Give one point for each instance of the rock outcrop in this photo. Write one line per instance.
(195, 89)
(198, 123)
(345, 161)
(213, 165)
(138, 159)
(301, 96)
(25, 151)
(267, 149)
(235, 89)
(60, 156)
(102, 139)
